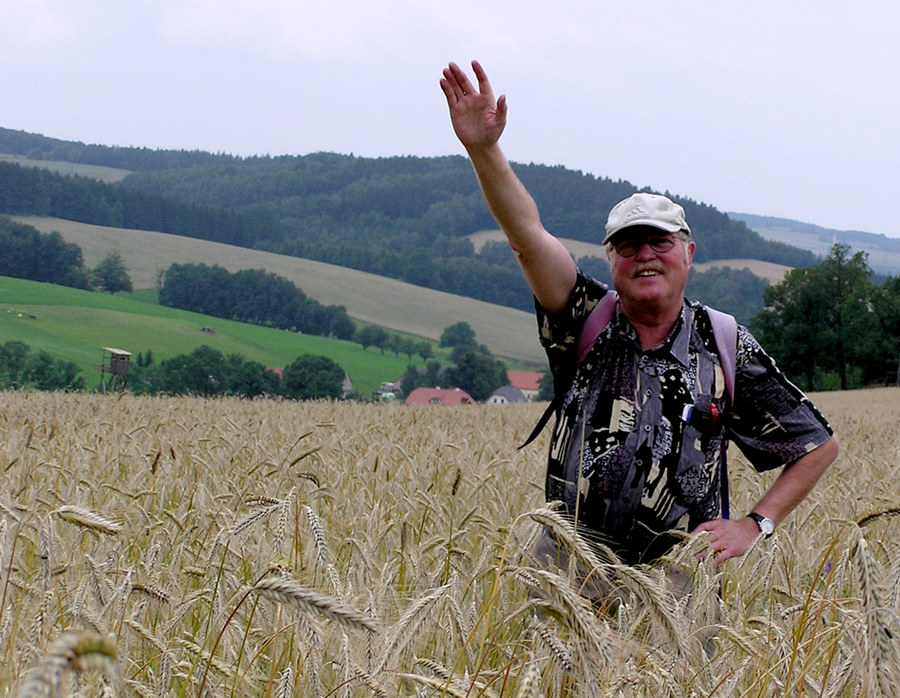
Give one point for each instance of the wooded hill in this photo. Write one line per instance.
(405, 218)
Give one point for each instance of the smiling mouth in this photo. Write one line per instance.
(647, 272)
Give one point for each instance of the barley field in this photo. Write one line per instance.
(187, 547)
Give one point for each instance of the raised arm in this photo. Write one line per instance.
(478, 121)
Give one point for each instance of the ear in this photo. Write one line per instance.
(689, 251)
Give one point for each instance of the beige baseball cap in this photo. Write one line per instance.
(646, 209)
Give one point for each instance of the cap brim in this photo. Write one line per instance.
(668, 227)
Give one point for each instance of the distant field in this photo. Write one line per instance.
(106, 174)
(884, 260)
(369, 298)
(76, 325)
(773, 273)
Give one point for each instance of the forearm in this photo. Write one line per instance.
(547, 265)
(796, 481)
(731, 537)
(506, 197)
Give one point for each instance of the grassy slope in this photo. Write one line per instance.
(76, 325)
(369, 298)
(106, 174)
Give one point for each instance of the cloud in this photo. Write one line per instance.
(768, 107)
(334, 31)
(34, 26)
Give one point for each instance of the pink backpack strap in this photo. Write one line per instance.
(724, 328)
(597, 321)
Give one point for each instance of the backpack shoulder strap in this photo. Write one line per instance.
(724, 331)
(596, 322)
(593, 327)
(724, 328)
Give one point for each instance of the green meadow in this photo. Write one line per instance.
(395, 305)
(76, 325)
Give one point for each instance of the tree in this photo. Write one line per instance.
(25, 253)
(251, 295)
(202, 372)
(249, 378)
(402, 345)
(13, 356)
(310, 377)
(424, 350)
(820, 318)
(20, 368)
(111, 274)
(432, 377)
(478, 373)
(886, 306)
(372, 335)
(735, 291)
(410, 380)
(44, 372)
(341, 325)
(546, 387)
(458, 336)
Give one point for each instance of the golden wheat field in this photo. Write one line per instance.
(186, 547)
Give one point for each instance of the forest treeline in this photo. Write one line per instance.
(207, 372)
(20, 367)
(34, 191)
(26, 253)
(39, 147)
(254, 296)
(402, 217)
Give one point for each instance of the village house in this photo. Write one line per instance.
(439, 396)
(506, 394)
(529, 382)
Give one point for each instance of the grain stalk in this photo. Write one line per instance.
(76, 652)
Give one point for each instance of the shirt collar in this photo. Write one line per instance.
(676, 344)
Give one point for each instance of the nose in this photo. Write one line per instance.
(645, 251)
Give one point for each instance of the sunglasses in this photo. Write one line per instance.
(658, 243)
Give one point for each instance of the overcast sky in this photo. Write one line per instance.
(771, 107)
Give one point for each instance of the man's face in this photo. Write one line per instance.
(645, 273)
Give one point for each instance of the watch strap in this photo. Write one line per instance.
(761, 521)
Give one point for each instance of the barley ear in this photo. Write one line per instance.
(77, 652)
(881, 626)
(287, 591)
(88, 519)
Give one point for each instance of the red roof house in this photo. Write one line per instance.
(529, 382)
(439, 396)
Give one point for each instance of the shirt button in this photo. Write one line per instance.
(646, 427)
(648, 392)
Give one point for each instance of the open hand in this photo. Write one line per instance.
(728, 538)
(478, 119)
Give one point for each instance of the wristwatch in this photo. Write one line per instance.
(766, 526)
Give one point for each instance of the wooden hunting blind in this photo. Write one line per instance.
(115, 363)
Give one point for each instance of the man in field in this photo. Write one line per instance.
(642, 418)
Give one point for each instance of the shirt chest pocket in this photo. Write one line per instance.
(702, 425)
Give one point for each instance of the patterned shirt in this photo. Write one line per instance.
(624, 458)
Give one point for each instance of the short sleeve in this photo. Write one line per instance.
(559, 332)
(772, 421)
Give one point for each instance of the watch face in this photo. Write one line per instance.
(766, 526)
